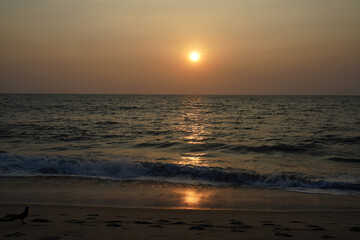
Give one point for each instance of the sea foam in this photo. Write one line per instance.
(14, 165)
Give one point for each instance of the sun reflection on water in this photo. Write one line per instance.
(196, 159)
(196, 127)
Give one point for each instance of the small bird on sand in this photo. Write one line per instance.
(21, 216)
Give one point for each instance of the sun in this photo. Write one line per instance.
(194, 56)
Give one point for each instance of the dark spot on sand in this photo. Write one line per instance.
(327, 236)
(280, 234)
(40, 220)
(63, 214)
(283, 229)
(179, 223)
(17, 234)
(315, 227)
(237, 230)
(91, 218)
(37, 215)
(142, 222)
(156, 226)
(245, 227)
(355, 229)
(318, 229)
(121, 216)
(163, 221)
(267, 222)
(113, 221)
(270, 225)
(312, 226)
(297, 222)
(202, 221)
(206, 225)
(241, 228)
(72, 233)
(236, 222)
(75, 221)
(93, 215)
(113, 225)
(50, 238)
(197, 227)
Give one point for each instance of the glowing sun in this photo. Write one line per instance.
(194, 56)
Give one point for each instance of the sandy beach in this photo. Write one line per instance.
(51, 222)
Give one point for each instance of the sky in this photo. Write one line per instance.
(143, 46)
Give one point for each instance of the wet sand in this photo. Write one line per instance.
(130, 194)
(52, 222)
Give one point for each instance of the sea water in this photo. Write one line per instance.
(305, 144)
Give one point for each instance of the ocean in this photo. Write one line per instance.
(307, 144)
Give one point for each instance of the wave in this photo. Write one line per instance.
(347, 160)
(335, 139)
(123, 168)
(156, 145)
(239, 149)
(106, 123)
(273, 148)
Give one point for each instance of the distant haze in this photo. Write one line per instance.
(142, 46)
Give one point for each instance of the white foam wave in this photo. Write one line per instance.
(122, 168)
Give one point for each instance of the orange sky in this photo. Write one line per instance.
(141, 46)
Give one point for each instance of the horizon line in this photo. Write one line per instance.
(177, 94)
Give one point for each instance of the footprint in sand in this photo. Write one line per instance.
(155, 226)
(113, 225)
(40, 220)
(271, 225)
(236, 222)
(327, 236)
(50, 238)
(197, 227)
(280, 234)
(200, 227)
(202, 221)
(297, 222)
(283, 229)
(72, 234)
(163, 221)
(142, 222)
(17, 234)
(178, 223)
(315, 227)
(237, 230)
(75, 221)
(92, 215)
(355, 229)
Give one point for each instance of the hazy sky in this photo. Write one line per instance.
(142, 46)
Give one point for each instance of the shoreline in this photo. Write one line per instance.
(71, 205)
(54, 222)
(136, 194)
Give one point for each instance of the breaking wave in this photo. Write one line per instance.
(13, 165)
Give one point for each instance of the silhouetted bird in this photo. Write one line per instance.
(21, 216)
